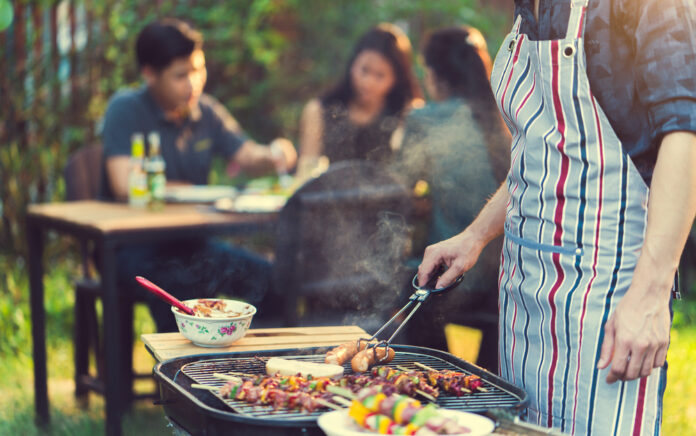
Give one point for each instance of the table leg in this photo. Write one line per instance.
(35, 242)
(115, 396)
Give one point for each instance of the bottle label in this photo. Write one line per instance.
(138, 194)
(158, 186)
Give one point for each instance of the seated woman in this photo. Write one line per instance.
(357, 118)
(459, 146)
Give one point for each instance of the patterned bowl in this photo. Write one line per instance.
(217, 331)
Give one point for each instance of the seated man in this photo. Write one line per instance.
(192, 127)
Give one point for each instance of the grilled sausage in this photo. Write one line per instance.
(343, 353)
(364, 359)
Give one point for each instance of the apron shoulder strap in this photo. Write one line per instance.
(517, 24)
(576, 21)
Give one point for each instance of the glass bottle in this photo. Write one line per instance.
(138, 194)
(156, 178)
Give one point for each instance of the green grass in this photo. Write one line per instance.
(67, 416)
(679, 416)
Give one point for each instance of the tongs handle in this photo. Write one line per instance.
(423, 292)
(419, 296)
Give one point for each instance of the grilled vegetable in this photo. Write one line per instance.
(399, 414)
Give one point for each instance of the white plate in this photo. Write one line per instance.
(338, 423)
(252, 203)
(199, 193)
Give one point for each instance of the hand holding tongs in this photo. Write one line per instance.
(419, 296)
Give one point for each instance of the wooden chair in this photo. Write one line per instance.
(82, 176)
(341, 242)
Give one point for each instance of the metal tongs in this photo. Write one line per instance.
(418, 297)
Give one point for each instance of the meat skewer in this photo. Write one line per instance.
(453, 382)
(310, 393)
(278, 392)
(411, 386)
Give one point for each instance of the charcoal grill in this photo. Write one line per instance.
(201, 412)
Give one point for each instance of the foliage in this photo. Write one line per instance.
(265, 59)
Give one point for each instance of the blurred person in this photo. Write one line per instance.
(357, 118)
(193, 127)
(597, 206)
(457, 144)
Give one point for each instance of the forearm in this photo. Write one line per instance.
(490, 222)
(671, 210)
(117, 169)
(255, 159)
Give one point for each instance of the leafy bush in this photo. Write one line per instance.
(265, 59)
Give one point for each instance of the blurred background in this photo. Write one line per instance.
(60, 62)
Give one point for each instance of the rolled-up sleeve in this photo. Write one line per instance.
(665, 67)
(121, 120)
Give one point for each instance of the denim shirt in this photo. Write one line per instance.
(641, 64)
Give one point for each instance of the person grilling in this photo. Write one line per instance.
(193, 128)
(599, 200)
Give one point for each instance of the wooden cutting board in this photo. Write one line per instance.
(164, 346)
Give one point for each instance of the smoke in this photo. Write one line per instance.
(444, 146)
(343, 240)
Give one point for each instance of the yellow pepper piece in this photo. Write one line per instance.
(399, 409)
(410, 429)
(358, 412)
(374, 401)
(383, 424)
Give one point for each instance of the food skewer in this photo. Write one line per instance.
(341, 400)
(205, 387)
(479, 386)
(226, 377)
(308, 393)
(398, 414)
(328, 404)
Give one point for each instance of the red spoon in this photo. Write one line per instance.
(164, 295)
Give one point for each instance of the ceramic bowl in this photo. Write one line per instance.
(217, 331)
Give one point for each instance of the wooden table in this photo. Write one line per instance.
(110, 226)
(165, 346)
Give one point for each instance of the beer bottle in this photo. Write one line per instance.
(155, 166)
(137, 180)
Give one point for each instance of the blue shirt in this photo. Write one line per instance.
(444, 146)
(641, 63)
(187, 147)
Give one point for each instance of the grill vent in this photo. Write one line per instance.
(203, 371)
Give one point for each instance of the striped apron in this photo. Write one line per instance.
(574, 228)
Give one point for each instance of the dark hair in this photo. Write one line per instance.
(165, 40)
(392, 43)
(460, 62)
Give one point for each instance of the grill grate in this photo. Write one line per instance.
(202, 372)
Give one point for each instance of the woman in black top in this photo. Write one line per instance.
(357, 118)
